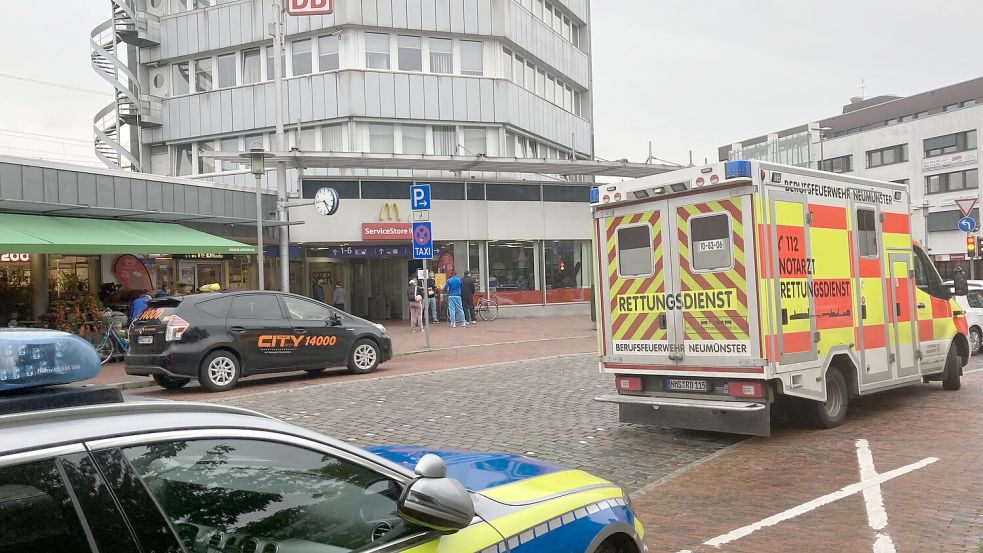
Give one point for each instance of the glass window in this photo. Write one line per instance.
(476, 191)
(226, 70)
(635, 251)
(251, 70)
(410, 53)
(414, 139)
(538, 8)
(347, 190)
(509, 144)
(269, 63)
(255, 306)
(471, 58)
(304, 310)
(203, 3)
(441, 55)
(229, 145)
(519, 71)
(203, 75)
(179, 6)
(566, 28)
(218, 307)
(577, 103)
(475, 141)
(531, 77)
(887, 156)
(385, 190)
(444, 141)
(541, 82)
(183, 160)
(376, 50)
(566, 275)
(550, 89)
(267, 492)
(513, 192)
(507, 63)
(300, 52)
(867, 233)
(205, 165)
(306, 139)
(180, 80)
(842, 164)
(381, 139)
(447, 191)
(950, 143)
(512, 277)
(710, 242)
(566, 193)
(331, 139)
(975, 299)
(327, 53)
(37, 512)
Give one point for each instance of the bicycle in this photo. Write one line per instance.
(487, 309)
(108, 342)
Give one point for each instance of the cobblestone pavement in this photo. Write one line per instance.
(542, 408)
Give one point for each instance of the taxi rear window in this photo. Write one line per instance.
(218, 307)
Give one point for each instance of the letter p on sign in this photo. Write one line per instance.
(310, 7)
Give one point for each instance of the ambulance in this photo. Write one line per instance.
(727, 290)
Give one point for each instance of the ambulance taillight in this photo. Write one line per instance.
(628, 383)
(745, 389)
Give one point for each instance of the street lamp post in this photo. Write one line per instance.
(257, 166)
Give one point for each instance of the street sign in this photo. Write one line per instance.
(967, 224)
(966, 205)
(421, 215)
(420, 197)
(423, 240)
(310, 7)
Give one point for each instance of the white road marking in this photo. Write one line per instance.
(818, 502)
(874, 501)
(965, 372)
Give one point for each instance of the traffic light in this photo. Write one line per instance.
(971, 246)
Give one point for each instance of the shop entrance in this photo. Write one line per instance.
(198, 274)
(375, 287)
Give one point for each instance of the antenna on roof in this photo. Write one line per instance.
(863, 89)
(691, 158)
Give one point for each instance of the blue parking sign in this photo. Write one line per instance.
(420, 196)
(423, 240)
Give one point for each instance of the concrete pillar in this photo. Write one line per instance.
(95, 274)
(39, 285)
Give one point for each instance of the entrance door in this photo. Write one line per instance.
(199, 274)
(902, 315)
(793, 268)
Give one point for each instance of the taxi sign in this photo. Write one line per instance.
(30, 358)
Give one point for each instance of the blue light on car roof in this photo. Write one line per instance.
(736, 169)
(30, 358)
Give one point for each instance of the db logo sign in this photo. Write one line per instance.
(310, 7)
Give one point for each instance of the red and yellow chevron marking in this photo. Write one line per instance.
(730, 324)
(635, 326)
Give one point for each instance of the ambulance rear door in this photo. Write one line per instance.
(715, 313)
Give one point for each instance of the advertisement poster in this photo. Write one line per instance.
(131, 273)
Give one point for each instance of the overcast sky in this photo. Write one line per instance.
(685, 74)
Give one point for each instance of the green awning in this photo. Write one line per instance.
(77, 236)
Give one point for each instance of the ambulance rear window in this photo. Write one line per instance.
(710, 242)
(635, 251)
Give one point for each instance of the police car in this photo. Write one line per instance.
(84, 470)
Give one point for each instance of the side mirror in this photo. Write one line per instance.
(960, 282)
(434, 501)
(335, 320)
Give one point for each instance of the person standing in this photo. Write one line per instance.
(468, 288)
(432, 297)
(338, 296)
(139, 305)
(454, 307)
(415, 296)
(318, 291)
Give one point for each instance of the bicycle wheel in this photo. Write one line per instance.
(488, 310)
(102, 344)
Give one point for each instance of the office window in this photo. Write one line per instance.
(471, 58)
(867, 233)
(568, 98)
(578, 107)
(183, 159)
(179, 6)
(475, 141)
(531, 77)
(269, 63)
(327, 53)
(226, 70)
(229, 145)
(301, 57)
(205, 165)
(566, 193)
(476, 191)
(203, 75)
(385, 190)
(952, 182)
(519, 71)
(842, 164)
(513, 192)
(951, 107)
(376, 51)
(441, 55)
(950, 143)
(180, 81)
(550, 88)
(968, 103)
(251, 70)
(447, 191)
(507, 63)
(887, 156)
(444, 141)
(414, 139)
(331, 138)
(203, 4)
(381, 139)
(541, 83)
(509, 144)
(410, 53)
(566, 28)
(538, 9)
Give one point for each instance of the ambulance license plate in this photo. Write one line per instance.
(680, 385)
(145, 340)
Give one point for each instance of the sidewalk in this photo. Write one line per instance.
(484, 343)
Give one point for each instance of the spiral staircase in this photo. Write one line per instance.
(129, 112)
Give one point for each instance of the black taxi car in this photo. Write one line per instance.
(219, 337)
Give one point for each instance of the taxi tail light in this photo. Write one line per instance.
(628, 383)
(745, 389)
(175, 328)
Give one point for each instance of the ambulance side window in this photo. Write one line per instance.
(635, 251)
(710, 242)
(867, 233)
(927, 278)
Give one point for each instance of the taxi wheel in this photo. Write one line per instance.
(951, 374)
(219, 371)
(169, 382)
(364, 357)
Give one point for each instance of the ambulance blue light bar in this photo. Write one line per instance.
(595, 195)
(30, 358)
(737, 169)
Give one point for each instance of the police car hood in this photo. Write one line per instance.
(503, 477)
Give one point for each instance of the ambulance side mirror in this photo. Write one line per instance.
(960, 282)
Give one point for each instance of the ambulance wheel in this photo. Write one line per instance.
(950, 376)
(832, 412)
(975, 340)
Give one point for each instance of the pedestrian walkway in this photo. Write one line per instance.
(484, 343)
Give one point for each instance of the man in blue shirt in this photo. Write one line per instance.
(454, 304)
(139, 305)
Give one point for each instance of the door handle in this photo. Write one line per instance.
(921, 306)
(299, 330)
(237, 329)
